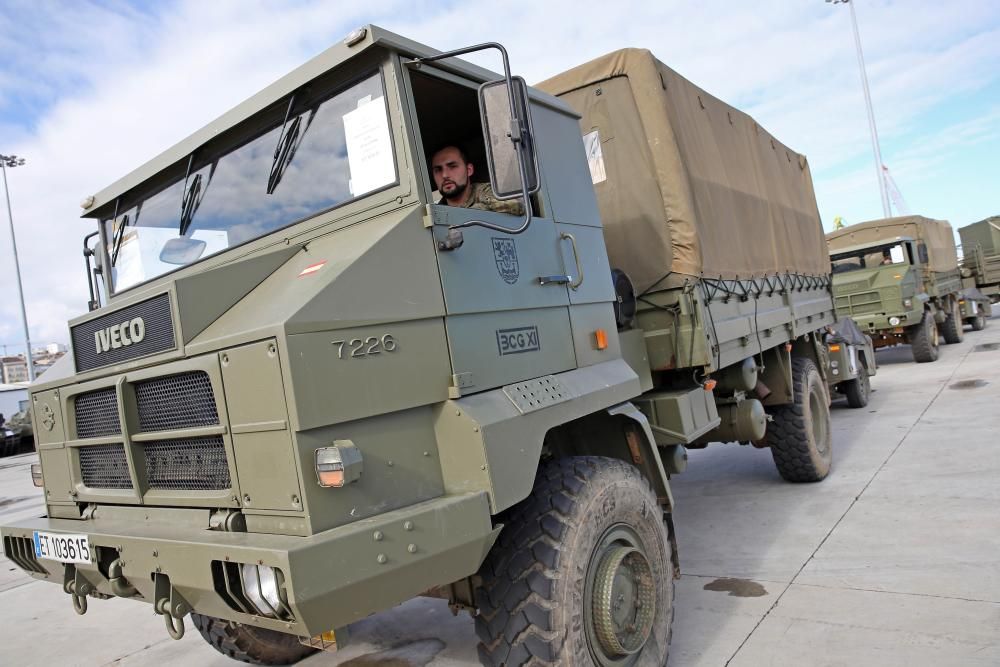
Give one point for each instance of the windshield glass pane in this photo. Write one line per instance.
(868, 258)
(329, 154)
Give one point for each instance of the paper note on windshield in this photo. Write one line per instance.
(369, 149)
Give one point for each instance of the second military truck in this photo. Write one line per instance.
(898, 279)
(313, 392)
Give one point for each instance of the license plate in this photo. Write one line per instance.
(63, 548)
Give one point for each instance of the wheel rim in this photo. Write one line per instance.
(620, 604)
(934, 333)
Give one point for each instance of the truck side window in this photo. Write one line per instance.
(448, 114)
(922, 253)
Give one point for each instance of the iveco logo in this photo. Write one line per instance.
(119, 335)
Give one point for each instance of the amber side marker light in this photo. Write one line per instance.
(601, 337)
(835, 347)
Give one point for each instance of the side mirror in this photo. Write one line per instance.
(502, 133)
(182, 250)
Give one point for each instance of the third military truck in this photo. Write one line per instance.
(898, 279)
(308, 391)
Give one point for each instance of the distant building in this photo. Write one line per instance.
(13, 369)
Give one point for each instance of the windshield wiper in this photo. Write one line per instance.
(119, 236)
(288, 143)
(190, 203)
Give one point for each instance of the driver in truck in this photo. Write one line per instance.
(452, 171)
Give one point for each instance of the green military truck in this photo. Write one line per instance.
(307, 392)
(898, 279)
(980, 270)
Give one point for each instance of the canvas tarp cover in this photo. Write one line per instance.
(935, 234)
(690, 185)
(985, 234)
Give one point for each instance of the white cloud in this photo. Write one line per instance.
(119, 85)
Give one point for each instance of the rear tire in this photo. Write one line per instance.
(258, 646)
(951, 328)
(799, 435)
(590, 536)
(858, 389)
(924, 340)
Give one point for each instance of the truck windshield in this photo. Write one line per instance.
(867, 258)
(330, 153)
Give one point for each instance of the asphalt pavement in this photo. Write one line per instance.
(893, 560)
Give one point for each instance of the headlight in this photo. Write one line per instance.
(260, 585)
(894, 321)
(908, 303)
(338, 465)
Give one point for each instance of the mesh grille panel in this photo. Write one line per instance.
(97, 414)
(105, 467)
(176, 401)
(195, 464)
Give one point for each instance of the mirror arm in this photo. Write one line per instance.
(454, 238)
(88, 252)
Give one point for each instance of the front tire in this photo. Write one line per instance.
(924, 340)
(951, 328)
(858, 389)
(581, 573)
(258, 646)
(799, 435)
(978, 323)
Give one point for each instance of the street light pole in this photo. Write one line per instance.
(14, 161)
(883, 192)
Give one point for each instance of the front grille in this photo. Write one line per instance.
(191, 464)
(176, 401)
(105, 467)
(97, 414)
(21, 550)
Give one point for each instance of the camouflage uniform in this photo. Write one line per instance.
(482, 197)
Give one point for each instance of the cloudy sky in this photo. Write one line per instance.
(89, 90)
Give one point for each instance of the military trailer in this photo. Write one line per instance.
(981, 256)
(307, 392)
(898, 279)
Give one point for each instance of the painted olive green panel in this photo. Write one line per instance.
(493, 349)
(563, 162)
(46, 409)
(353, 373)
(633, 349)
(493, 271)
(380, 271)
(401, 466)
(595, 284)
(383, 270)
(586, 319)
(202, 297)
(55, 473)
(512, 440)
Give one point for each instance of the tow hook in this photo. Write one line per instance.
(77, 587)
(120, 586)
(170, 604)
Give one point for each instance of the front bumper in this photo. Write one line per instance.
(330, 579)
(879, 323)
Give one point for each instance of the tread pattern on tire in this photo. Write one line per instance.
(516, 619)
(921, 341)
(257, 646)
(789, 433)
(858, 389)
(951, 328)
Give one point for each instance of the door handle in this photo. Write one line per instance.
(576, 257)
